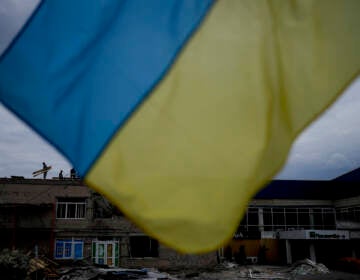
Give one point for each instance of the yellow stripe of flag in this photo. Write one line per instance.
(221, 123)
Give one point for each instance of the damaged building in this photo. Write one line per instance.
(291, 220)
(66, 221)
(287, 221)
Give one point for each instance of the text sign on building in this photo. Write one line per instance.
(327, 234)
(314, 234)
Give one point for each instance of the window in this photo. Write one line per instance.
(278, 218)
(106, 252)
(252, 219)
(349, 214)
(291, 217)
(304, 218)
(70, 208)
(69, 249)
(287, 218)
(329, 219)
(143, 246)
(250, 222)
(317, 217)
(268, 219)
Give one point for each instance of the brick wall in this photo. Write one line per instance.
(171, 260)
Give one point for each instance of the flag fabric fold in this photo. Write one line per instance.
(179, 111)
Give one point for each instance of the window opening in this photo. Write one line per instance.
(69, 248)
(143, 246)
(70, 208)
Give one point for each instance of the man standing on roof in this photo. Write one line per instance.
(45, 168)
(72, 173)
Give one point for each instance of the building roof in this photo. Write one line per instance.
(352, 176)
(18, 190)
(18, 180)
(38, 191)
(344, 186)
(295, 189)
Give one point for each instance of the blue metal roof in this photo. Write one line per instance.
(347, 185)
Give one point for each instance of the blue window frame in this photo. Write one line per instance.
(69, 249)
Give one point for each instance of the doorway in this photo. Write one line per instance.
(106, 252)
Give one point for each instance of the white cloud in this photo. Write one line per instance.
(337, 160)
(331, 145)
(22, 151)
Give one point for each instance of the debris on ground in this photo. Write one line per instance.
(13, 264)
(224, 271)
(42, 267)
(100, 273)
(306, 266)
(227, 264)
(78, 273)
(232, 271)
(17, 265)
(266, 272)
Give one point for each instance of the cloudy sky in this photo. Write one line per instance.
(22, 151)
(331, 145)
(328, 148)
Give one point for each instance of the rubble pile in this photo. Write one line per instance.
(267, 272)
(97, 273)
(13, 264)
(237, 272)
(233, 271)
(78, 273)
(42, 267)
(17, 265)
(306, 266)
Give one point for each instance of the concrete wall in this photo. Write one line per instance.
(171, 260)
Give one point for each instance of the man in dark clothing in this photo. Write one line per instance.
(61, 176)
(72, 173)
(44, 167)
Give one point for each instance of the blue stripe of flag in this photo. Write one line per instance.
(80, 68)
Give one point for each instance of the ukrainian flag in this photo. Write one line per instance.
(177, 111)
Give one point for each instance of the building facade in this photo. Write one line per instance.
(287, 221)
(66, 221)
(291, 220)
